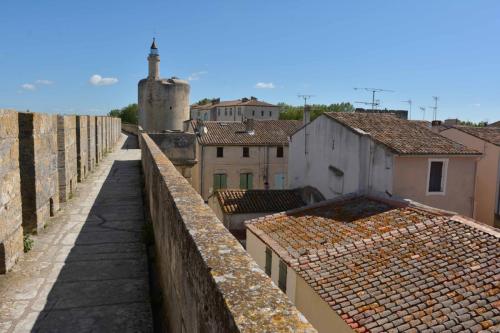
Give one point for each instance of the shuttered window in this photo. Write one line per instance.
(282, 276)
(269, 261)
(220, 181)
(246, 181)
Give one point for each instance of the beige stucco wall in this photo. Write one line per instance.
(410, 181)
(237, 113)
(487, 176)
(261, 158)
(317, 311)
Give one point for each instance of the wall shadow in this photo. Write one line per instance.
(131, 142)
(103, 285)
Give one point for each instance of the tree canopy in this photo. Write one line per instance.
(291, 112)
(473, 124)
(128, 114)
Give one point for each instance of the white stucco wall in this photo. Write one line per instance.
(331, 144)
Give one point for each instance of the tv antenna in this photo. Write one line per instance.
(377, 103)
(423, 112)
(306, 113)
(409, 101)
(435, 107)
(374, 91)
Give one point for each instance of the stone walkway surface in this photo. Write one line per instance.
(87, 271)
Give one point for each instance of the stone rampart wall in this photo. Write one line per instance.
(91, 142)
(67, 160)
(38, 164)
(209, 283)
(41, 155)
(11, 234)
(98, 139)
(82, 147)
(130, 128)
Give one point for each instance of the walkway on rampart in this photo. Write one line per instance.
(87, 271)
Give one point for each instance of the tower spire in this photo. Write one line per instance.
(154, 61)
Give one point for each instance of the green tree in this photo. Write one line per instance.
(473, 124)
(128, 114)
(291, 112)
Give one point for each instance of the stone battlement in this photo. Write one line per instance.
(42, 157)
(209, 282)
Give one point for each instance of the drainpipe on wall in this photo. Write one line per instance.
(201, 170)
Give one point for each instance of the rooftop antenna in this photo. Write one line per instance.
(435, 107)
(306, 118)
(373, 91)
(423, 112)
(409, 101)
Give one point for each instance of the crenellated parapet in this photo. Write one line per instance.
(42, 157)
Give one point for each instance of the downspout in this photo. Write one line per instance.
(474, 204)
(201, 169)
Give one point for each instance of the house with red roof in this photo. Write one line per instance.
(340, 153)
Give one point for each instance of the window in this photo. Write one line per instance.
(246, 152)
(253, 113)
(269, 261)
(230, 112)
(220, 181)
(270, 113)
(279, 181)
(239, 111)
(246, 181)
(279, 152)
(225, 112)
(282, 276)
(436, 178)
(262, 113)
(220, 151)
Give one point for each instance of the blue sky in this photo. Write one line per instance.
(49, 50)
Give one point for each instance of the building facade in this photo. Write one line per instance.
(487, 191)
(250, 155)
(340, 153)
(163, 103)
(236, 110)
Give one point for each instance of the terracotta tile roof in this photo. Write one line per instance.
(258, 201)
(330, 225)
(266, 132)
(489, 134)
(389, 269)
(402, 136)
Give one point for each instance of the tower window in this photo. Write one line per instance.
(220, 151)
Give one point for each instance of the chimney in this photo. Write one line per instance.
(244, 99)
(200, 127)
(249, 125)
(307, 115)
(436, 123)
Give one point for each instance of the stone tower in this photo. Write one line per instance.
(163, 103)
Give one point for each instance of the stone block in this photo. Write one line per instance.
(91, 136)
(11, 238)
(38, 157)
(67, 156)
(98, 139)
(82, 141)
